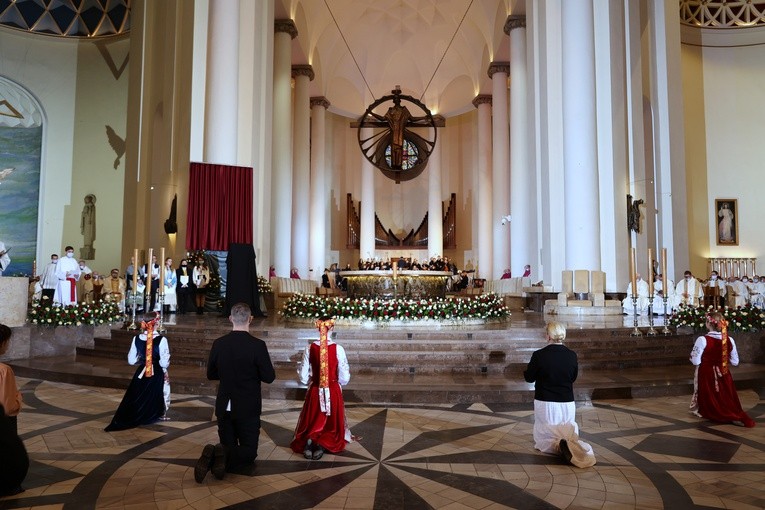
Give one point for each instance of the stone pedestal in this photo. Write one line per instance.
(14, 296)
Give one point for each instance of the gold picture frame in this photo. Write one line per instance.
(726, 221)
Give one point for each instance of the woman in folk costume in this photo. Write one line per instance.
(147, 397)
(715, 397)
(322, 425)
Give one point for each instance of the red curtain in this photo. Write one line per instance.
(220, 206)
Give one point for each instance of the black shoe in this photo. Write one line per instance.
(565, 451)
(219, 462)
(318, 453)
(204, 463)
(308, 451)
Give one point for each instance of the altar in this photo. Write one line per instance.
(403, 284)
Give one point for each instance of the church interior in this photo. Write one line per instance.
(549, 150)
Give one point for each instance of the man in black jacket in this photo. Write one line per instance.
(240, 362)
(553, 371)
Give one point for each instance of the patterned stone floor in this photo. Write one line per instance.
(651, 454)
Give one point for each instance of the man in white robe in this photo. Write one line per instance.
(688, 291)
(67, 272)
(5, 260)
(757, 296)
(49, 280)
(738, 294)
(658, 295)
(642, 298)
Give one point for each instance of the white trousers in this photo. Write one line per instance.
(554, 421)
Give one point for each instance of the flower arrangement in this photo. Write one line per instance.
(482, 307)
(45, 313)
(747, 318)
(264, 285)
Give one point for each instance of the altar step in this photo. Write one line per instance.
(388, 351)
(491, 389)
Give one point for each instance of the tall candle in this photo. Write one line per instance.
(649, 275)
(135, 271)
(162, 271)
(395, 269)
(633, 275)
(664, 277)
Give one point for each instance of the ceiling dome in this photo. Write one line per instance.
(67, 18)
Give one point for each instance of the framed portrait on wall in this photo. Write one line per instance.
(726, 218)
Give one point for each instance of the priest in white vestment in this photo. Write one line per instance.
(67, 272)
(757, 296)
(642, 298)
(738, 293)
(658, 295)
(688, 291)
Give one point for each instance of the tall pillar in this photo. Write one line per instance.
(301, 171)
(500, 184)
(484, 259)
(580, 163)
(256, 58)
(367, 213)
(318, 218)
(435, 204)
(675, 229)
(222, 90)
(281, 179)
(523, 245)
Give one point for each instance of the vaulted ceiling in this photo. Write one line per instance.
(399, 42)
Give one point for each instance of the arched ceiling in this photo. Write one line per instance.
(399, 42)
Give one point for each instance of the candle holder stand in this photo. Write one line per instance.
(651, 331)
(666, 330)
(161, 325)
(132, 300)
(635, 330)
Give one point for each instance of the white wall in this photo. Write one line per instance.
(734, 113)
(47, 67)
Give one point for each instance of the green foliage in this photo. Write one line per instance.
(747, 318)
(45, 313)
(483, 307)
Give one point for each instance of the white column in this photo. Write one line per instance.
(484, 199)
(367, 213)
(435, 204)
(523, 246)
(498, 72)
(318, 237)
(582, 210)
(281, 178)
(257, 53)
(301, 172)
(669, 133)
(546, 83)
(222, 91)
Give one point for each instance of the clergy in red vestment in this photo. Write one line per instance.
(715, 397)
(322, 425)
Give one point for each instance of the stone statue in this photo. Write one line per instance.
(633, 214)
(88, 227)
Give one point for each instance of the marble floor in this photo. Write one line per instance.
(651, 453)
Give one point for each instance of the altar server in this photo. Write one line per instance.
(67, 272)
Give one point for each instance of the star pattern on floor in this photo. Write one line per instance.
(651, 454)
